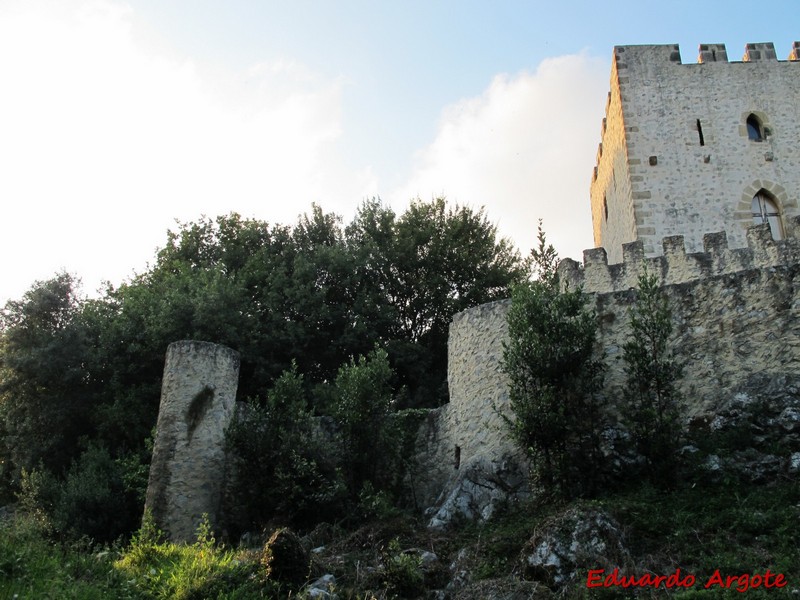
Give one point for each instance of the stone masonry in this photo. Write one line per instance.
(198, 396)
(736, 313)
(675, 157)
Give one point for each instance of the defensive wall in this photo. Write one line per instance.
(736, 314)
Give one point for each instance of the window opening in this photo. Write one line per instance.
(457, 457)
(700, 133)
(605, 207)
(766, 211)
(754, 129)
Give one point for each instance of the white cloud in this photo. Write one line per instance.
(105, 140)
(524, 149)
(107, 135)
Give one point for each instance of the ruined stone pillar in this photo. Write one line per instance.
(187, 473)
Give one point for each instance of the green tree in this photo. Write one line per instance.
(282, 468)
(554, 378)
(45, 392)
(651, 396)
(415, 272)
(363, 402)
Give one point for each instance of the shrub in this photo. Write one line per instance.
(554, 378)
(281, 467)
(363, 401)
(284, 559)
(650, 397)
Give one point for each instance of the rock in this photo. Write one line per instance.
(569, 544)
(794, 463)
(481, 487)
(322, 587)
(284, 558)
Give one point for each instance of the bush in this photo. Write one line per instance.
(554, 378)
(363, 401)
(281, 467)
(651, 398)
(284, 559)
(93, 499)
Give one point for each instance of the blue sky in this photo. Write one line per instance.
(117, 118)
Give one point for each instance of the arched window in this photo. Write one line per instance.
(755, 131)
(765, 210)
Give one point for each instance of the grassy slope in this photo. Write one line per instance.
(737, 530)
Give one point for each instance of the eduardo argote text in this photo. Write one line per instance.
(741, 583)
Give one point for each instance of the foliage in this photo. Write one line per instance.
(93, 499)
(403, 571)
(554, 378)
(362, 407)
(160, 569)
(31, 566)
(284, 558)
(78, 373)
(732, 528)
(44, 397)
(414, 272)
(651, 397)
(282, 468)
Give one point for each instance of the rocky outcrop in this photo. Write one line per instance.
(481, 487)
(570, 544)
(754, 435)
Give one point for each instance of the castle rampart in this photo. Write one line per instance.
(736, 314)
(675, 266)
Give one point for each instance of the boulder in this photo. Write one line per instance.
(570, 544)
(481, 487)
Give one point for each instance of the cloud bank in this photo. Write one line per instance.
(524, 149)
(107, 139)
(107, 136)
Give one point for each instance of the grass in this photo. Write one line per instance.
(734, 529)
(32, 566)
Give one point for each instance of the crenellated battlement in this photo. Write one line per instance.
(707, 53)
(678, 266)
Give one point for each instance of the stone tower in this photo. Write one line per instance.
(198, 397)
(696, 148)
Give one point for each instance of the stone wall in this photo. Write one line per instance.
(464, 446)
(198, 395)
(736, 314)
(612, 211)
(682, 128)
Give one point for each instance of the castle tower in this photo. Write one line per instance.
(689, 149)
(187, 473)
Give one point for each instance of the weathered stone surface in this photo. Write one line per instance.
(322, 587)
(481, 487)
(756, 429)
(466, 460)
(187, 473)
(570, 544)
(692, 118)
(735, 312)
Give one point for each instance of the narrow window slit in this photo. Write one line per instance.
(700, 133)
(457, 457)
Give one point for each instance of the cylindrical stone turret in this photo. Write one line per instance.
(187, 473)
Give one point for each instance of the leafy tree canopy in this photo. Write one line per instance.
(78, 372)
